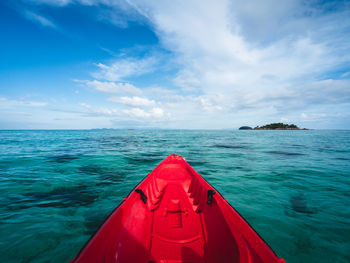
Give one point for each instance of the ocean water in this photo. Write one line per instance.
(57, 187)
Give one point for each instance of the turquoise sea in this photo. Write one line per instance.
(57, 187)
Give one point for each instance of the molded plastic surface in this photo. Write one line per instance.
(174, 215)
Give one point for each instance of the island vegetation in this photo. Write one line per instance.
(245, 128)
(278, 126)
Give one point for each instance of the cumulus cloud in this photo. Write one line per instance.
(111, 87)
(133, 101)
(210, 103)
(157, 112)
(99, 110)
(283, 119)
(135, 113)
(141, 113)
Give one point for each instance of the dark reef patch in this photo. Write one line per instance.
(277, 177)
(64, 158)
(91, 169)
(93, 221)
(288, 154)
(105, 175)
(60, 197)
(145, 158)
(297, 145)
(303, 243)
(299, 204)
(342, 158)
(230, 146)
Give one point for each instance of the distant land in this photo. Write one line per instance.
(274, 126)
(245, 128)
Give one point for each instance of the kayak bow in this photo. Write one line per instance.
(174, 215)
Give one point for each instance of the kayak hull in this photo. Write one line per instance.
(174, 215)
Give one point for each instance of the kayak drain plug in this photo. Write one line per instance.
(210, 196)
(142, 195)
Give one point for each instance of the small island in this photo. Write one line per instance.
(279, 126)
(245, 128)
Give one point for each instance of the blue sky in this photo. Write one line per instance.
(81, 64)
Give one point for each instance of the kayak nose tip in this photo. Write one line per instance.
(175, 157)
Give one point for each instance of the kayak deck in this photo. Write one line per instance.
(174, 215)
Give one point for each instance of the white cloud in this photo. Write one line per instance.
(111, 87)
(157, 112)
(136, 112)
(283, 119)
(317, 117)
(9, 103)
(143, 114)
(99, 110)
(133, 101)
(210, 102)
(116, 114)
(120, 13)
(124, 68)
(39, 19)
(52, 2)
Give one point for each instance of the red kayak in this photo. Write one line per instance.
(174, 215)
